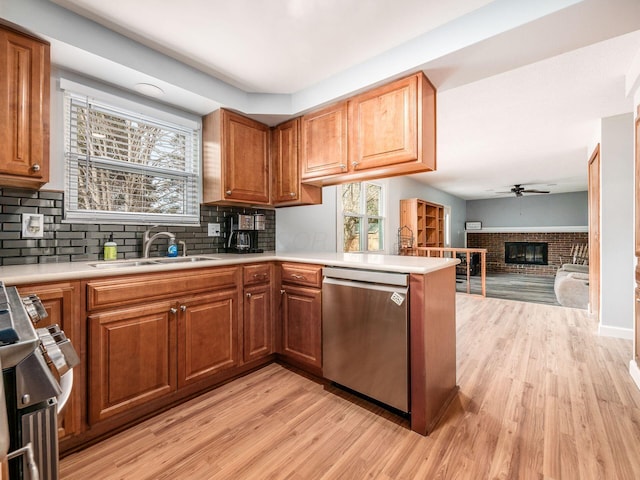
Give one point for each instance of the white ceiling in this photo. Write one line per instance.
(520, 91)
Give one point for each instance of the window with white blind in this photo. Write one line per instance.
(129, 167)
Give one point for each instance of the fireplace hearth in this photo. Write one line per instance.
(526, 253)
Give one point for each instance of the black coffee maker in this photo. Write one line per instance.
(242, 233)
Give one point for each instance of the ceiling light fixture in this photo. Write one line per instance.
(149, 89)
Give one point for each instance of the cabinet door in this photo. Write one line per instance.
(383, 126)
(286, 175)
(24, 110)
(324, 142)
(207, 336)
(61, 301)
(132, 358)
(285, 166)
(636, 354)
(637, 185)
(302, 325)
(245, 159)
(258, 327)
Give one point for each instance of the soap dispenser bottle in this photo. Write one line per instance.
(110, 249)
(172, 249)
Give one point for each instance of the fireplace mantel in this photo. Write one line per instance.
(568, 229)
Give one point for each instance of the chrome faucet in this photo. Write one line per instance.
(148, 239)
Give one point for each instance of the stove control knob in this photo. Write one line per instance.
(26, 399)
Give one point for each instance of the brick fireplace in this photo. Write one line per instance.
(558, 244)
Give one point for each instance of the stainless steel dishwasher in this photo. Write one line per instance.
(364, 333)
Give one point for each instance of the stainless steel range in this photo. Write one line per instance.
(37, 379)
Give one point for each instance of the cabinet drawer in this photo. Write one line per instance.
(255, 274)
(302, 274)
(134, 289)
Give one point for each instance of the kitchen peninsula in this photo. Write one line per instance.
(181, 327)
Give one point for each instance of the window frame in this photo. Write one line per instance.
(132, 110)
(363, 216)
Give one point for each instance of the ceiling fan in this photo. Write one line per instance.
(518, 190)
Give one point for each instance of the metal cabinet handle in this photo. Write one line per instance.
(343, 166)
(282, 292)
(35, 167)
(173, 310)
(228, 192)
(248, 295)
(298, 277)
(292, 194)
(183, 308)
(355, 164)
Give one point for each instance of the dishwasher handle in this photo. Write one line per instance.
(366, 286)
(367, 276)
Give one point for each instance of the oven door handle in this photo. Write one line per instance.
(66, 385)
(27, 451)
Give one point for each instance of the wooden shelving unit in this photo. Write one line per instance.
(426, 221)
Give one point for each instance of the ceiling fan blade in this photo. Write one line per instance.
(536, 191)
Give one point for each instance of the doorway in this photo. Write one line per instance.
(594, 232)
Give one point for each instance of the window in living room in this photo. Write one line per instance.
(361, 217)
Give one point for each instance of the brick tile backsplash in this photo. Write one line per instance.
(559, 245)
(81, 242)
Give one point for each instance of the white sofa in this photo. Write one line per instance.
(572, 285)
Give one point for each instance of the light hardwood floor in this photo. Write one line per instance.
(541, 396)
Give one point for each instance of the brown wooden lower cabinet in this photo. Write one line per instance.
(302, 325)
(132, 358)
(258, 314)
(258, 330)
(150, 341)
(62, 303)
(207, 336)
(155, 340)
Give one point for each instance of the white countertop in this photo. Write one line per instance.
(51, 272)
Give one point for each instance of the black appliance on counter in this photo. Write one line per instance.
(242, 233)
(37, 379)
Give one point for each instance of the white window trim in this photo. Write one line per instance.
(126, 104)
(447, 225)
(384, 183)
(89, 216)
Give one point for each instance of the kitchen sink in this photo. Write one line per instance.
(141, 262)
(122, 264)
(182, 259)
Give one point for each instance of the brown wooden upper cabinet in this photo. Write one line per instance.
(235, 159)
(391, 131)
(24, 109)
(324, 142)
(285, 168)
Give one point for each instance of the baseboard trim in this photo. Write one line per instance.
(616, 332)
(634, 371)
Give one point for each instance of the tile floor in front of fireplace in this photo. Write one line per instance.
(513, 286)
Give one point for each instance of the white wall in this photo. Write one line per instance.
(309, 228)
(313, 228)
(616, 231)
(407, 187)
